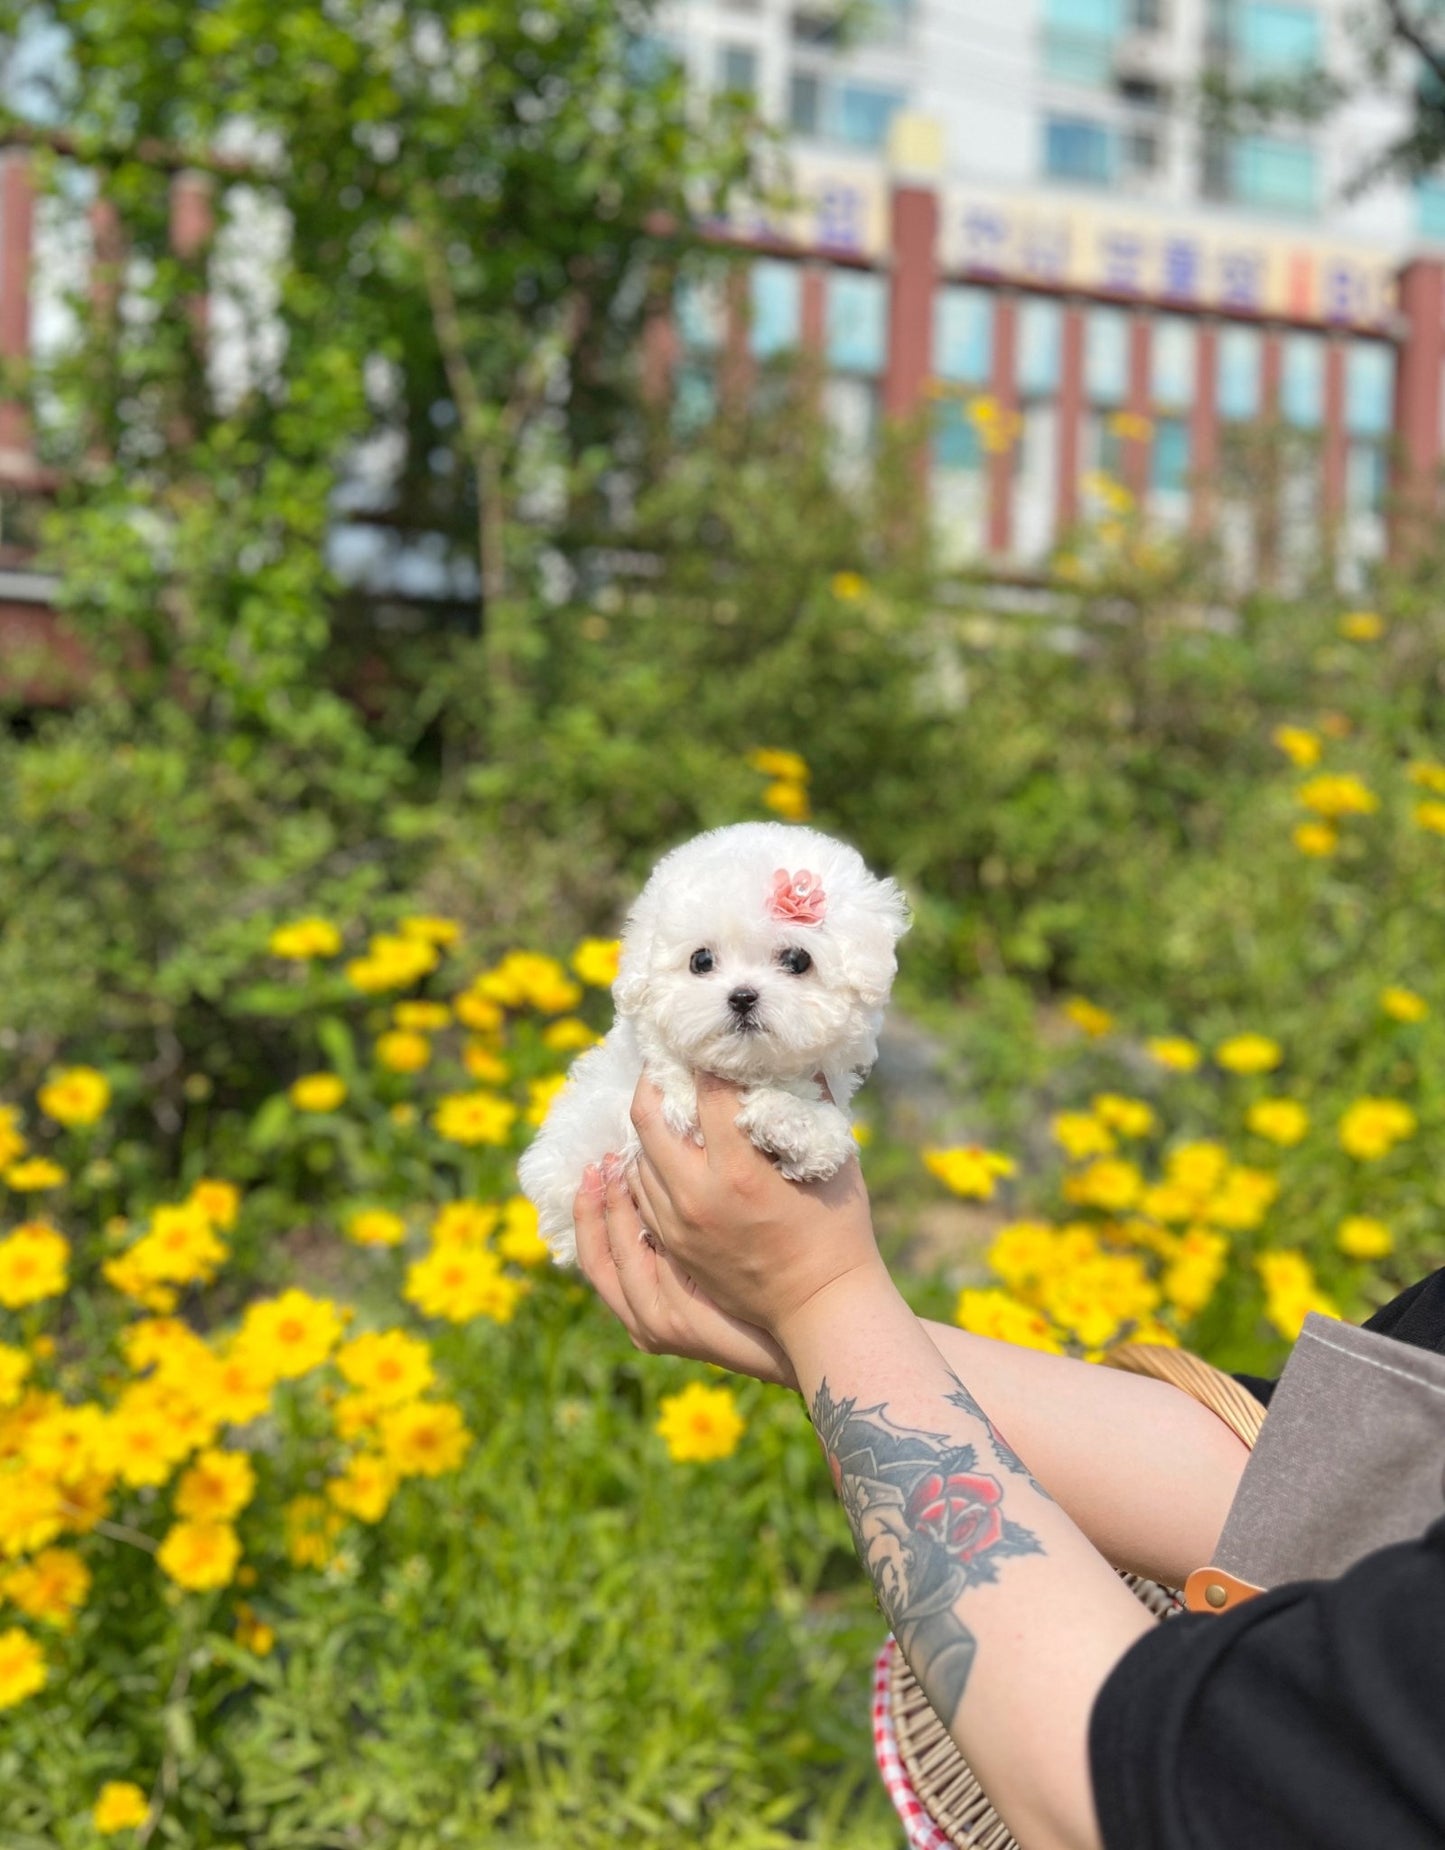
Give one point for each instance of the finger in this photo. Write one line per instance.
(717, 1110)
(649, 1194)
(673, 1157)
(635, 1262)
(594, 1254)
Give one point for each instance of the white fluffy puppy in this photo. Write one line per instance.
(763, 954)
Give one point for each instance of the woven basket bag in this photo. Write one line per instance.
(940, 1776)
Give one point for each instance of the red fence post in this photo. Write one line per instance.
(912, 289)
(1004, 390)
(1335, 460)
(1204, 430)
(1420, 358)
(1139, 444)
(1071, 408)
(17, 238)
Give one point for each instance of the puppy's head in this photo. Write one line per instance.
(761, 950)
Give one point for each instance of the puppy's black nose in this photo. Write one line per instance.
(743, 1001)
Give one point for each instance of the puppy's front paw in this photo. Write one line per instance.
(811, 1141)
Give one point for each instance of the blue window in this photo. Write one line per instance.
(1278, 175)
(1302, 382)
(700, 315)
(1237, 394)
(1041, 334)
(1078, 150)
(777, 308)
(863, 115)
(1169, 462)
(955, 442)
(857, 322)
(1172, 364)
(1369, 389)
(1106, 356)
(1430, 207)
(963, 336)
(1277, 41)
(1079, 39)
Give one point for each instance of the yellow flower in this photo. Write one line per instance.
(700, 1424)
(33, 1265)
(848, 587)
(387, 1365)
(1316, 839)
(78, 1096)
(365, 1489)
(1280, 1120)
(12, 1142)
(569, 1035)
(288, 1336)
(22, 1667)
(1362, 626)
(34, 1175)
(1198, 1167)
(1196, 1268)
(464, 1223)
(180, 1248)
(480, 1013)
(424, 1438)
(120, 1807)
(473, 1118)
(1371, 1127)
(304, 939)
(1404, 1005)
(1108, 1183)
(1022, 1252)
(540, 1093)
(1431, 816)
(788, 800)
(220, 1202)
(401, 1051)
(239, 1388)
(375, 1227)
(1428, 775)
(1246, 1197)
(461, 1283)
(252, 1634)
(32, 1511)
(1302, 748)
(791, 767)
(425, 928)
(1249, 1053)
(519, 1239)
(485, 1064)
(596, 959)
(51, 1589)
(1333, 795)
(1174, 1052)
(318, 1092)
(15, 1365)
(1078, 1134)
(1360, 1237)
(392, 963)
(996, 1314)
(1131, 426)
(1093, 1020)
(199, 1556)
(1130, 1117)
(969, 1170)
(525, 979)
(312, 1527)
(1291, 1291)
(422, 1017)
(216, 1487)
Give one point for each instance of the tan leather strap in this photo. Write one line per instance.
(1210, 1589)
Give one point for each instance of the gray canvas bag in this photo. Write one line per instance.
(1350, 1459)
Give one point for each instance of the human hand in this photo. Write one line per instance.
(760, 1247)
(661, 1307)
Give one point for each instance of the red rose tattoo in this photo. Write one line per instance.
(959, 1513)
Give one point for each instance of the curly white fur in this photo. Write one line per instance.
(679, 1014)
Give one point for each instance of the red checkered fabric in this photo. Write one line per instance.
(918, 1826)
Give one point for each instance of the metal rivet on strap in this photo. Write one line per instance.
(1215, 1595)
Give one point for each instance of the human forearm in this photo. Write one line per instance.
(1147, 1473)
(1009, 1617)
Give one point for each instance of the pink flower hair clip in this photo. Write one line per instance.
(797, 899)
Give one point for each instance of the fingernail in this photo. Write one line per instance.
(592, 1179)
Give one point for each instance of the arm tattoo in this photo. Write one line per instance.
(928, 1525)
(1003, 1451)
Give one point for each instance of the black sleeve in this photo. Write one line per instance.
(1310, 1718)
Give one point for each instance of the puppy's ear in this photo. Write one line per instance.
(629, 989)
(875, 919)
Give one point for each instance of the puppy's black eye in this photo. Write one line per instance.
(700, 963)
(795, 961)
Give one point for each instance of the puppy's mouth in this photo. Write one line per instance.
(745, 1025)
